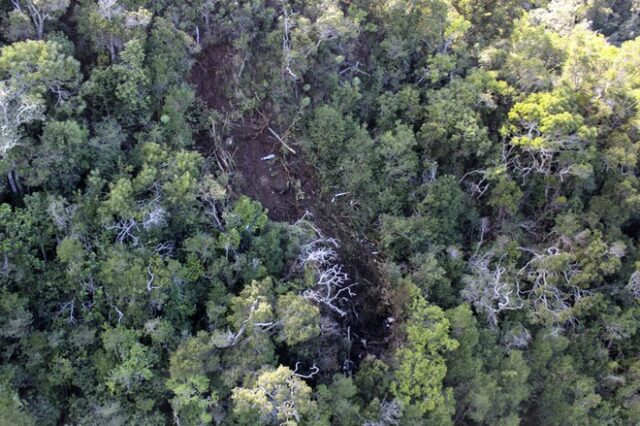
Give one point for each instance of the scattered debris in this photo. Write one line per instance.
(338, 195)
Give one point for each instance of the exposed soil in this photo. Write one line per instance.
(282, 182)
(210, 76)
(288, 187)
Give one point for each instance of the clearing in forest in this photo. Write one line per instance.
(287, 186)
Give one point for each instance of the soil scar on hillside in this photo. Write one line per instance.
(288, 187)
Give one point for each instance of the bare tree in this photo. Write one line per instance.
(488, 290)
(126, 231)
(16, 108)
(70, 307)
(42, 11)
(111, 10)
(331, 286)
(331, 289)
(320, 250)
(61, 214)
(155, 217)
(118, 311)
(150, 279)
(518, 337)
(390, 414)
(633, 287)
(552, 290)
(287, 55)
(165, 249)
(476, 182)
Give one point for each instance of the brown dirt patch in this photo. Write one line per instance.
(281, 181)
(287, 186)
(210, 76)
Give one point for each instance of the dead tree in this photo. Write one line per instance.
(150, 280)
(287, 56)
(331, 286)
(126, 231)
(320, 250)
(390, 414)
(115, 307)
(552, 291)
(487, 289)
(165, 249)
(518, 339)
(155, 217)
(42, 11)
(69, 306)
(61, 214)
(633, 287)
(478, 187)
(330, 289)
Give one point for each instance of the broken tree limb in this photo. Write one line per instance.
(275, 135)
(338, 195)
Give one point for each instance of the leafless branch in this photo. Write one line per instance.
(126, 231)
(275, 135)
(314, 370)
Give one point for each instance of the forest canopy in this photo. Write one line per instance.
(320, 212)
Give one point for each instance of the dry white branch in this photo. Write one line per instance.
(319, 251)
(120, 314)
(150, 279)
(268, 157)
(16, 109)
(287, 56)
(165, 249)
(488, 291)
(331, 281)
(389, 415)
(552, 291)
(70, 306)
(476, 188)
(330, 289)
(277, 136)
(156, 217)
(314, 370)
(633, 287)
(126, 231)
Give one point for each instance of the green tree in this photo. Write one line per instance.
(63, 149)
(189, 367)
(12, 408)
(489, 19)
(338, 401)
(39, 67)
(109, 24)
(300, 319)
(420, 364)
(121, 90)
(278, 396)
(31, 73)
(549, 136)
(132, 361)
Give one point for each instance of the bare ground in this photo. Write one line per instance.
(288, 187)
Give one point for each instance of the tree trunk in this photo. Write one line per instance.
(12, 182)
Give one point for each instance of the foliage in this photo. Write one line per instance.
(456, 183)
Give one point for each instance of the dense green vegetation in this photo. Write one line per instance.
(322, 212)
